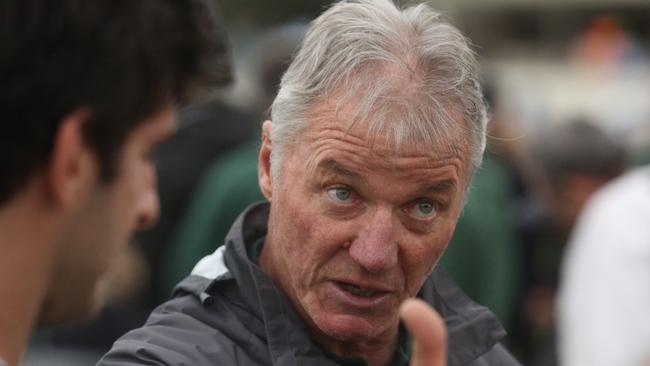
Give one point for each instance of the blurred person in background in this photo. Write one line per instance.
(87, 90)
(230, 183)
(206, 131)
(573, 160)
(483, 256)
(576, 159)
(376, 131)
(604, 298)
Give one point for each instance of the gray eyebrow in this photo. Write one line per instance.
(442, 186)
(333, 166)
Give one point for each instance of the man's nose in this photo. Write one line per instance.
(375, 248)
(148, 204)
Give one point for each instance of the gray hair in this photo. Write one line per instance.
(410, 74)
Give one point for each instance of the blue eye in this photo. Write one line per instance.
(423, 210)
(340, 194)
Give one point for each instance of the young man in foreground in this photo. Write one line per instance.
(87, 90)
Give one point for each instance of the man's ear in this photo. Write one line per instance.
(264, 162)
(72, 166)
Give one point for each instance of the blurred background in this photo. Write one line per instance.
(568, 83)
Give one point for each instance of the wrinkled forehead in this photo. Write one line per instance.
(391, 130)
(333, 135)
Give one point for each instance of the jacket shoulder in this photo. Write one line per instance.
(188, 331)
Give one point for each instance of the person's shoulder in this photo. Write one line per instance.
(195, 330)
(473, 331)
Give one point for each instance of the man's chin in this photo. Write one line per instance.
(352, 328)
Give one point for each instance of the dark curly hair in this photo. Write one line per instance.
(124, 59)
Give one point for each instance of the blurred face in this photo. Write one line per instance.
(103, 226)
(355, 228)
(569, 197)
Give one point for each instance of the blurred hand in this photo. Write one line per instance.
(428, 331)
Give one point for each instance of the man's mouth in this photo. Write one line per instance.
(358, 291)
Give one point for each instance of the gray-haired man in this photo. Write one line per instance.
(376, 131)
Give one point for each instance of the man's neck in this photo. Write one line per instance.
(378, 352)
(24, 267)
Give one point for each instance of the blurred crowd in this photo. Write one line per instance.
(570, 115)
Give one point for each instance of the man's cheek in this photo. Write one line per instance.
(419, 264)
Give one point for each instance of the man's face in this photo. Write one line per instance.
(105, 222)
(355, 228)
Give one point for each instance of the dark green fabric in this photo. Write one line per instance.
(256, 250)
(405, 348)
(345, 361)
(227, 188)
(483, 255)
(403, 355)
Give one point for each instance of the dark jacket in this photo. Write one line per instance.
(228, 312)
